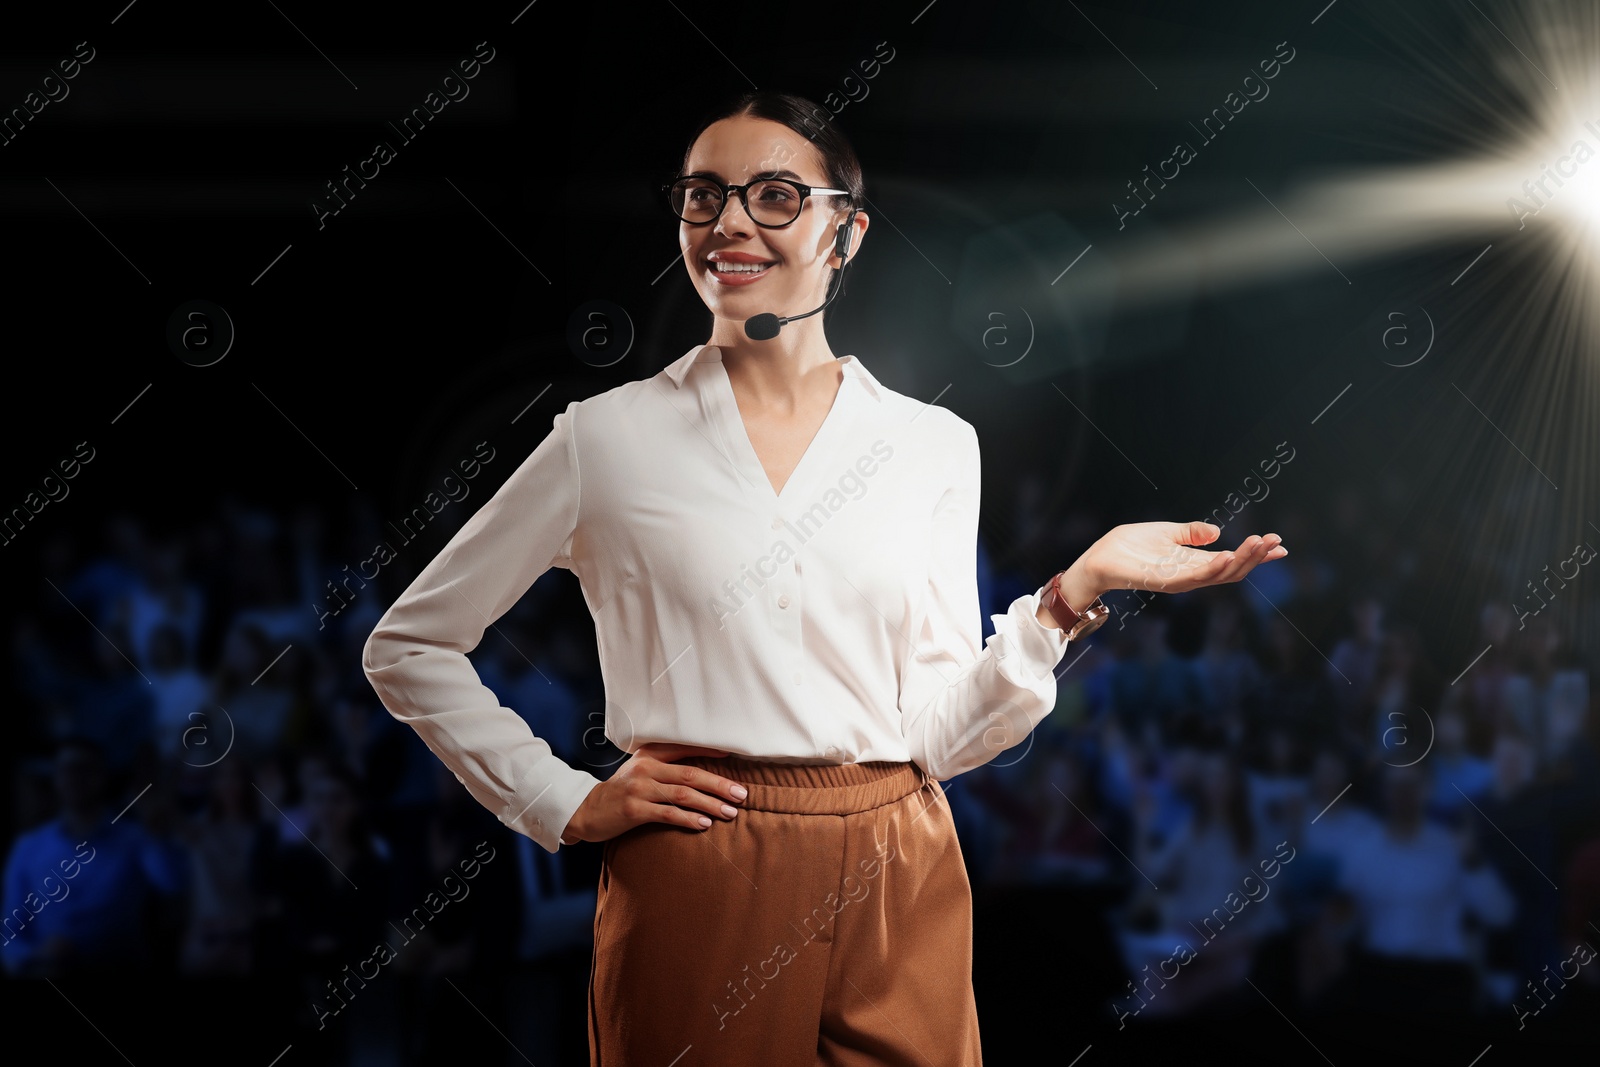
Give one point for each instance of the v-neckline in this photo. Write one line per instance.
(750, 461)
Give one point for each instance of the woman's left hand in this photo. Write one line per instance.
(1160, 557)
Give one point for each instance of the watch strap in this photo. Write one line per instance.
(1072, 621)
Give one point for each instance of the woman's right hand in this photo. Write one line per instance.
(650, 787)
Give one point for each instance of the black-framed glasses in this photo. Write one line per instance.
(770, 202)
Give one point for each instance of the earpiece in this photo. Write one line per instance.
(841, 244)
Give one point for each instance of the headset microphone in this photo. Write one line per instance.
(765, 327)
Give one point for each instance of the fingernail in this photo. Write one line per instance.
(729, 810)
(739, 792)
(704, 820)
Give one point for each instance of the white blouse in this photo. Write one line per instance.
(835, 622)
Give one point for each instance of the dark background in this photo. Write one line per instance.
(435, 310)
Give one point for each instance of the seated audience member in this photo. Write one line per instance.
(1201, 868)
(1518, 812)
(1226, 668)
(228, 842)
(1459, 774)
(335, 880)
(183, 717)
(1277, 784)
(76, 888)
(1414, 884)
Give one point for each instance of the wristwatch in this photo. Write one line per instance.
(1076, 624)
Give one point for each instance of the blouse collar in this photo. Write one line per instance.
(678, 369)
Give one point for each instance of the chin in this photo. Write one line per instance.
(742, 305)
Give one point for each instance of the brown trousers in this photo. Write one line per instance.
(830, 923)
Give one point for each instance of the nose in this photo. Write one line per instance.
(734, 220)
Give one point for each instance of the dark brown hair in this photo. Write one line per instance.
(804, 117)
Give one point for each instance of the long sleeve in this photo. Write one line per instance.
(962, 705)
(416, 657)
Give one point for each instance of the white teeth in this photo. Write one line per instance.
(724, 267)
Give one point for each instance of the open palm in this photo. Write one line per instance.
(1162, 557)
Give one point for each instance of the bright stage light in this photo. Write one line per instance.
(1563, 159)
(1492, 221)
(1532, 177)
(1586, 196)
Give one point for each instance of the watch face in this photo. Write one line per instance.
(1093, 617)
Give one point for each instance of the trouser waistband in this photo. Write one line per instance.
(815, 789)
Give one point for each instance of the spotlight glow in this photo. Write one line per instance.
(1535, 174)
(1499, 231)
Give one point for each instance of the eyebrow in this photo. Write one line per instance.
(791, 175)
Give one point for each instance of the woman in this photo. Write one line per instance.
(779, 555)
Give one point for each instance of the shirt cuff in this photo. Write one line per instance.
(545, 800)
(1041, 647)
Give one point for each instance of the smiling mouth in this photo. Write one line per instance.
(740, 270)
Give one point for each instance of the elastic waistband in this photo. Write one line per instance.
(815, 789)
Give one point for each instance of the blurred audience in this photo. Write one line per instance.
(203, 782)
(79, 889)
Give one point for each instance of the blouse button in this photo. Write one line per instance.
(783, 601)
(777, 524)
(830, 751)
(797, 677)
